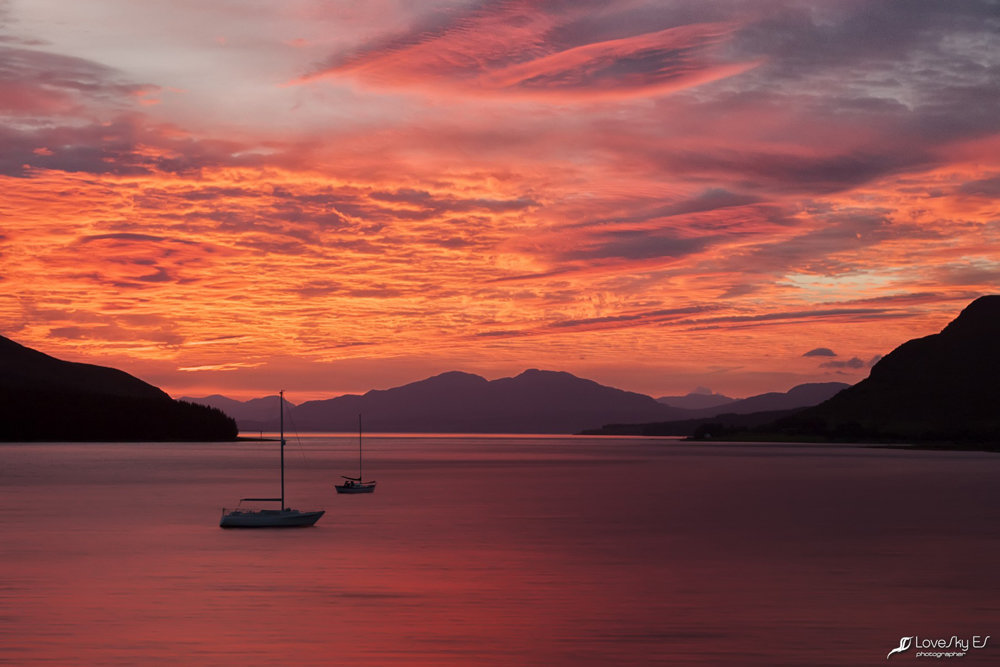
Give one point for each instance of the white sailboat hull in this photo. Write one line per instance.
(286, 518)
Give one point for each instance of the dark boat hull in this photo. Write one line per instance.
(357, 488)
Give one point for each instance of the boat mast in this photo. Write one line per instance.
(281, 411)
(360, 476)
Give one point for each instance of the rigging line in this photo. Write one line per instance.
(298, 440)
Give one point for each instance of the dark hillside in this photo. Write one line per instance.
(44, 398)
(943, 387)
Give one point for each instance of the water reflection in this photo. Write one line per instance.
(489, 551)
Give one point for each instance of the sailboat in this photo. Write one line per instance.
(284, 517)
(356, 484)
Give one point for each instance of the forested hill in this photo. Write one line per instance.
(44, 398)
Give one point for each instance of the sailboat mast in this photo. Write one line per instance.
(281, 411)
(360, 476)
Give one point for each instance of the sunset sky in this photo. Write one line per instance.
(239, 196)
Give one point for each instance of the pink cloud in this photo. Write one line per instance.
(50, 84)
(509, 51)
(652, 63)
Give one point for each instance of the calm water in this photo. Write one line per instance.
(496, 551)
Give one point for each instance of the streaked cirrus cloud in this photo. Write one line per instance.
(538, 50)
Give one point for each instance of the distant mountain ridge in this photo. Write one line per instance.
(737, 414)
(536, 401)
(254, 411)
(696, 400)
(44, 398)
(799, 396)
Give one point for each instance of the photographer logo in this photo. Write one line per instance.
(950, 647)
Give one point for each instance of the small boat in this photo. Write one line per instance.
(284, 517)
(356, 484)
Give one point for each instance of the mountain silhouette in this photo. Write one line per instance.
(697, 401)
(44, 398)
(799, 396)
(942, 387)
(250, 415)
(533, 402)
(735, 415)
(26, 369)
(536, 401)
